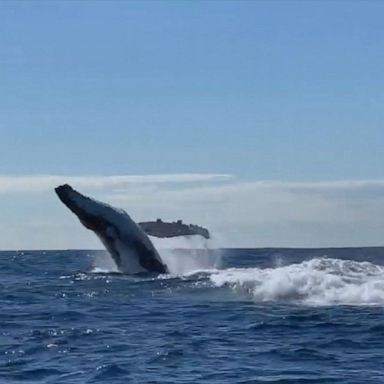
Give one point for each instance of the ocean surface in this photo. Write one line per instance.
(223, 316)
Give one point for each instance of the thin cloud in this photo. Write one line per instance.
(271, 213)
(40, 183)
(238, 213)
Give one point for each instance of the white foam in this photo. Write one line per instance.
(320, 281)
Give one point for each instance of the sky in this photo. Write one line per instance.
(261, 120)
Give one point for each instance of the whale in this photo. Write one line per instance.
(129, 246)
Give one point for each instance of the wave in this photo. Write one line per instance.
(319, 281)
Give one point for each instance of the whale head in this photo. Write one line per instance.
(84, 208)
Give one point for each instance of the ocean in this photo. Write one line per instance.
(222, 316)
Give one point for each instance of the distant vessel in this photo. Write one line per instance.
(161, 228)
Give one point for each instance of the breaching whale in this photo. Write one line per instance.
(129, 246)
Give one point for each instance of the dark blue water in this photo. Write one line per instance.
(282, 316)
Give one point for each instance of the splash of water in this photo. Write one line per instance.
(103, 263)
(320, 281)
(186, 262)
(183, 255)
(188, 254)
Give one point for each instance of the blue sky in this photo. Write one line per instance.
(265, 90)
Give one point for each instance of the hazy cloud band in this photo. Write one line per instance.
(239, 213)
